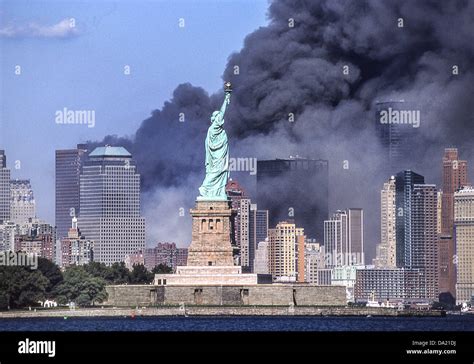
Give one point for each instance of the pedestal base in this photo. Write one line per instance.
(207, 276)
(210, 245)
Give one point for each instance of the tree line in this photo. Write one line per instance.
(84, 285)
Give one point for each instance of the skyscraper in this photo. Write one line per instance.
(253, 229)
(245, 234)
(294, 188)
(386, 251)
(261, 258)
(397, 125)
(23, 206)
(282, 248)
(68, 169)
(454, 176)
(250, 226)
(110, 204)
(464, 234)
(344, 238)
(424, 238)
(404, 182)
(356, 235)
(336, 239)
(261, 225)
(4, 188)
(235, 192)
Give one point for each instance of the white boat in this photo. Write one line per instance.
(371, 302)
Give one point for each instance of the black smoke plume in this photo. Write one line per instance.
(298, 70)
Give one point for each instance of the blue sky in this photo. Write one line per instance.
(81, 67)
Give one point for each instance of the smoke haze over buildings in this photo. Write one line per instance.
(325, 63)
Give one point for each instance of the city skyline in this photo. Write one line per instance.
(236, 168)
(332, 125)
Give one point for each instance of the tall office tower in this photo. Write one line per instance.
(404, 182)
(424, 238)
(464, 233)
(235, 192)
(440, 211)
(245, 232)
(344, 237)
(356, 235)
(110, 204)
(336, 239)
(282, 245)
(22, 204)
(257, 231)
(388, 238)
(397, 127)
(68, 169)
(4, 188)
(249, 226)
(261, 265)
(261, 225)
(454, 176)
(300, 257)
(297, 189)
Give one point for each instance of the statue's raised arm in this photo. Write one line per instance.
(225, 103)
(217, 154)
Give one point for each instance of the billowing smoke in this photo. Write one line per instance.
(307, 83)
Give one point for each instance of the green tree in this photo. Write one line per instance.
(100, 270)
(162, 269)
(120, 273)
(52, 272)
(81, 287)
(140, 275)
(21, 287)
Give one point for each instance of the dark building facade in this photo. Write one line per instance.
(4, 188)
(295, 189)
(454, 177)
(397, 127)
(404, 183)
(69, 163)
(424, 238)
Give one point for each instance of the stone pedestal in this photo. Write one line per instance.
(210, 245)
(210, 260)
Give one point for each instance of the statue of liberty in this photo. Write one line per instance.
(217, 155)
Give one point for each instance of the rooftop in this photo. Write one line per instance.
(109, 151)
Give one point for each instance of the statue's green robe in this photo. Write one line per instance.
(217, 159)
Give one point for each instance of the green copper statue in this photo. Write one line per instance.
(217, 155)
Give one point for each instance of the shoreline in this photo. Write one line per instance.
(216, 311)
